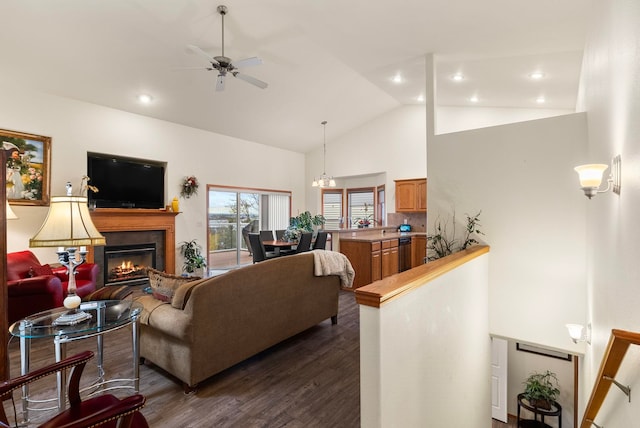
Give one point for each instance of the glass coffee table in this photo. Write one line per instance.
(106, 316)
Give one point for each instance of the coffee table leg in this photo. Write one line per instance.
(61, 376)
(25, 352)
(100, 314)
(135, 343)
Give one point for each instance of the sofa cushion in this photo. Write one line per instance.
(164, 285)
(38, 270)
(109, 292)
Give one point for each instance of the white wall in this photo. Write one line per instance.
(394, 143)
(77, 127)
(425, 356)
(455, 119)
(533, 214)
(611, 96)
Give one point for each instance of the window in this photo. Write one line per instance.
(381, 211)
(332, 208)
(360, 203)
(234, 213)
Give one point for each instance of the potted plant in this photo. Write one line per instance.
(541, 389)
(302, 223)
(193, 258)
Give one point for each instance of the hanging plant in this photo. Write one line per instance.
(189, 187)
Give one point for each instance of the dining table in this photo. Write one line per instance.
(278, 245)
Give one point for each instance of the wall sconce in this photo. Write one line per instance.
(591, 177)
(579, 334)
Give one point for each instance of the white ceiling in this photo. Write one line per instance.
(323, 59)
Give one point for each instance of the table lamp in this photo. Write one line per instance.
(68, 224)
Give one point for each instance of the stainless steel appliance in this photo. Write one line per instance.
(404, 254)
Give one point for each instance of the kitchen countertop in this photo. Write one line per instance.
(379, 236)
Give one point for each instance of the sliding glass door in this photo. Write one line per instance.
(233, 214)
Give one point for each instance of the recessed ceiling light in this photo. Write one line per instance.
(420, 98)
(457, 77)
(540, 100)
(536, 75)
(397, 78)
(144, 98)
(474, 99)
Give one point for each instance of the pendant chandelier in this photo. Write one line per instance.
(324, 180)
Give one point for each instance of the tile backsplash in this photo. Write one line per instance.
(418, 221)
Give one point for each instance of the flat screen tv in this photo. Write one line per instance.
(125, 182)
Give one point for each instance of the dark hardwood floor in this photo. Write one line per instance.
(310, 380)
(512, 423)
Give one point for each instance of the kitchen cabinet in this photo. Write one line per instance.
(411, 195)
(366, 259)
(390, 261)
(418, 250)
(372, 260)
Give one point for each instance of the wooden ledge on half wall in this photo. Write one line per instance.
(380, 292)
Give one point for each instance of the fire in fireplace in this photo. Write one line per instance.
(126, 264)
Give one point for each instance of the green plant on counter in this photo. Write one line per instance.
(443, 243)
(193, 258)
(303, 222)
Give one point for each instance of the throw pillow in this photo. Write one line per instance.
(40, 270)
(164, 285)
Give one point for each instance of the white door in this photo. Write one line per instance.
(499, 353)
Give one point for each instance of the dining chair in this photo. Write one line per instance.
(258, 251)
(102, 410)
(280, 234)
(321, 241)
(267, 235)
(304, 245)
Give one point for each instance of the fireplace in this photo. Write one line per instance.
(136, 249)
(126, 264)
(123, 227)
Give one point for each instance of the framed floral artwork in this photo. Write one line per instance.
(28, 167)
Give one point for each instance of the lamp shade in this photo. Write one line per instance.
(68, 224)
(591, 175)
(9, 212)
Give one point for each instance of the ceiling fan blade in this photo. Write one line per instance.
(220, 83)
(252, 80)
(191, 68)
(201, 52)
(247, 62)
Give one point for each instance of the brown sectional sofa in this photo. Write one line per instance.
(214, 323)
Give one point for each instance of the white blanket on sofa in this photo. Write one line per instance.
(333, 263)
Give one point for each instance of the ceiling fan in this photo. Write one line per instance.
(224, 65)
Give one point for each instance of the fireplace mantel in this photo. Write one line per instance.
(135, 219)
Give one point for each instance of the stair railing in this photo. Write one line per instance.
(612, 359)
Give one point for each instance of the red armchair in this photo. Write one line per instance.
(33, 287)
(103, 410)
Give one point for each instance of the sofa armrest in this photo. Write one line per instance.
(162, 317)
(45, 284)
(84, 272)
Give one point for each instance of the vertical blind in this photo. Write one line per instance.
(278, 208)
(332, 209)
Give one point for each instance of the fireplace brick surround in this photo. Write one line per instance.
(137, 220)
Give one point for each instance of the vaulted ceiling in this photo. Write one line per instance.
(323, 59)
